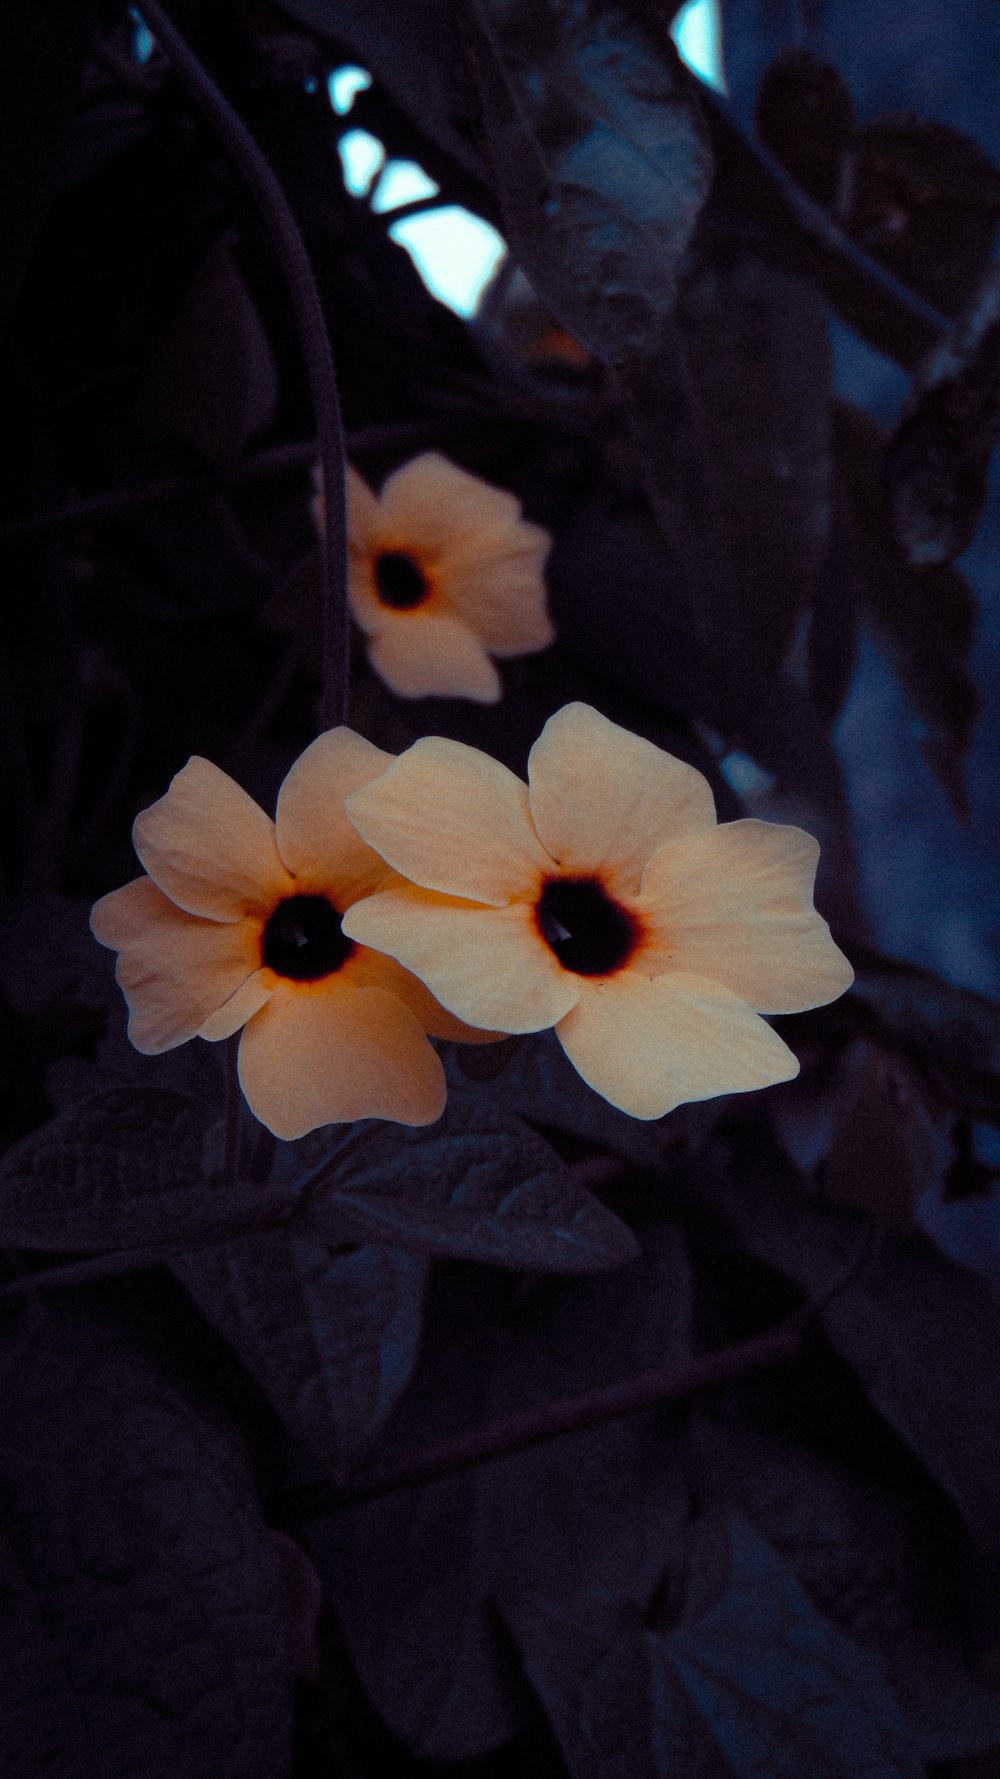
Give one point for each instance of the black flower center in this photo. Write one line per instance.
(590, 934)
(303, 939)
(400, 582)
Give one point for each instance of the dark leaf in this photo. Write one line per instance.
(213, 380)
(146, 1628)
(541, 1084)
(754, 1684)
(44, 55)
(938, 461)
(618, 1710)
(927, 616)
(599, 156)
(926, 202)
(951, 1034)
(479, 1185)
(882, 1157)
(804, 115)
(412, 1575)
(331, 1338)
(781, 1690)
(833, 622)
(868, 1563)
(413, 54)
(130, 1166)
(921, 1332)
(732, 422)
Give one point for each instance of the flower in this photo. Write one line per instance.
(443, 573)
(238, 924)
(603, 899)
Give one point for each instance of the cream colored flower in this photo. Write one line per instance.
(603, 899)
(444, 573)
(238, 924)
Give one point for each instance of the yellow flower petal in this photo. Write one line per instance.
(649, 1044)
(362, 512)
(374, 969)
(423, 654)
(736, 904)
(174, 970)
(454, 820)
(603, 799)
(326, 1053)
(486, 965)
(495, 584)
(315, 839)
(210, 847)
(249, 998)
(430, 502)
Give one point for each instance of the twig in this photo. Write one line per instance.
(270, 195)
(668, 1384)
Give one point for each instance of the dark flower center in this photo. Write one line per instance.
(303, 939)
(400, 582)
(589, 933)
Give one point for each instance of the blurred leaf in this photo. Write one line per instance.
(926, 615)
(951, 1034)
(926, 203)
(45, 49)
(804, 115)
(868, 1561)
(146, 1629)
(412, 1576)
(938, 461)
(479, 1185)
(331, 1338)
(753, 1684)
(832, 646)
(731, 418)
(600, 159)
(127, 1167)
(882, 1158)
(921, 1331)
(213, 380)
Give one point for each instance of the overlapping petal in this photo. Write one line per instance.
(210, 847)
(736, 904)
(486, 965)
(494, 582)
(326, 1053)
(454, 820)
(428, 654)
(249, 998)
(649, 1044)
(376, 969)
(174, 969)
(316, 841)
(602, 799)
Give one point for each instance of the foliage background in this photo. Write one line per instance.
(752, 389)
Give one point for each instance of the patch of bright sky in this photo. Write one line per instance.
(456, 252)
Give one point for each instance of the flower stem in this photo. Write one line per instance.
(291, 249)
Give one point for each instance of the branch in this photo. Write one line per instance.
(670, 1383)
(268, 191)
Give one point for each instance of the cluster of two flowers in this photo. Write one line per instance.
(437, 893)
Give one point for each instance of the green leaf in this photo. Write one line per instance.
(478, 1185)
(599, 156)
(127, 1167)
(952, 1035)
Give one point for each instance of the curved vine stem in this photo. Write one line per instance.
(267, 189)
